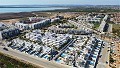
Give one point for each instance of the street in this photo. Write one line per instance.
(105, 57)
(63, 49)
(110, 28)
(32, 59)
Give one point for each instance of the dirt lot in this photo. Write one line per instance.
(116, 29)
(10, 21)
(9, 18)
(116, 56)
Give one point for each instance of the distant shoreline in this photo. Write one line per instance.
(57, 8)
(22, 14)
(28, 9)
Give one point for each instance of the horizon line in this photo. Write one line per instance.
(63, 4)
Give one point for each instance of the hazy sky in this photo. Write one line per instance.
(44, 2)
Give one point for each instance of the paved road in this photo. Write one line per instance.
(104, 58)
(110, 28)
(32, 59)
(63, 49)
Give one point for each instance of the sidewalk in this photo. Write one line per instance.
(32, 59)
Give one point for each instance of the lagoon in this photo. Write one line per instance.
(14, 10)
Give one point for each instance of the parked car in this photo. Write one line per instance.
(5, 49)
(106, 62)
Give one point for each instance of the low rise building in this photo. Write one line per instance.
(52, 39)
(55, 19)
(47, 38)
(7, 32)
(10, 32)
(89, 19)
(34, 36)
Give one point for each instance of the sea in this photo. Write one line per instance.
(14, 10)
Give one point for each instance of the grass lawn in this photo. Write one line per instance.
(96, 25)
(8, 62)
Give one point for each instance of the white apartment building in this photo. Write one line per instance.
(32, 25)
(55, 19)
(40, 24)
(10, 32)
(52, 39)
(103, 26)
(49, 39)
(7, 32)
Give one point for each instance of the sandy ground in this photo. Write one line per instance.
(10, 21)
(116, 54)
(70, 14)
(47, 15)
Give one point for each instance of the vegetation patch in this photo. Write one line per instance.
(8, 62)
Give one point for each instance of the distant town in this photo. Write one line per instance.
(76, 37)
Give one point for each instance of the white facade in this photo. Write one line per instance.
(1, 24)
(35, 18)
(34, 36)
(10, 32)
(49, 39)
(55, 39)
(22, 26)
(103, 23)
(55, 19)
(88, 19)
(35, 25)
(101, 27)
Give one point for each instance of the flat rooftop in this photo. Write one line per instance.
(30, 22)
